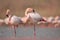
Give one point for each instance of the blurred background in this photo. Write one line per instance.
(43, 7)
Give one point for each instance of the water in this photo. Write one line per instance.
(50, 33)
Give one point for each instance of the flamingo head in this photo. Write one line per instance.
(43, 20)
(7, 12)
(29, 10)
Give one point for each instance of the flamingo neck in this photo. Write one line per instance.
(10, 16)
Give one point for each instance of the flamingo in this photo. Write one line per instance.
(57, 21)
(34, 17)
(12, 20)
(51, 21)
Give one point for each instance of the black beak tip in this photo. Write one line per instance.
(6, 15)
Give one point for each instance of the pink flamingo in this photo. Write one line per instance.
(12, 20)
(57, 21)
(34, 17)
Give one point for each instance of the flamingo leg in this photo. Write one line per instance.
(14, 28)
(34, 32)
(14, 31)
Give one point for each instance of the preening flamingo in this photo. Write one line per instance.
(34, 17)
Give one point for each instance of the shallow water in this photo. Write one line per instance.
(28, 31)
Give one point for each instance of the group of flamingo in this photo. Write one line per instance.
(55, 21)
(14, 20)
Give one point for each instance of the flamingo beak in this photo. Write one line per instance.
(7, 15)
(43, 20)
